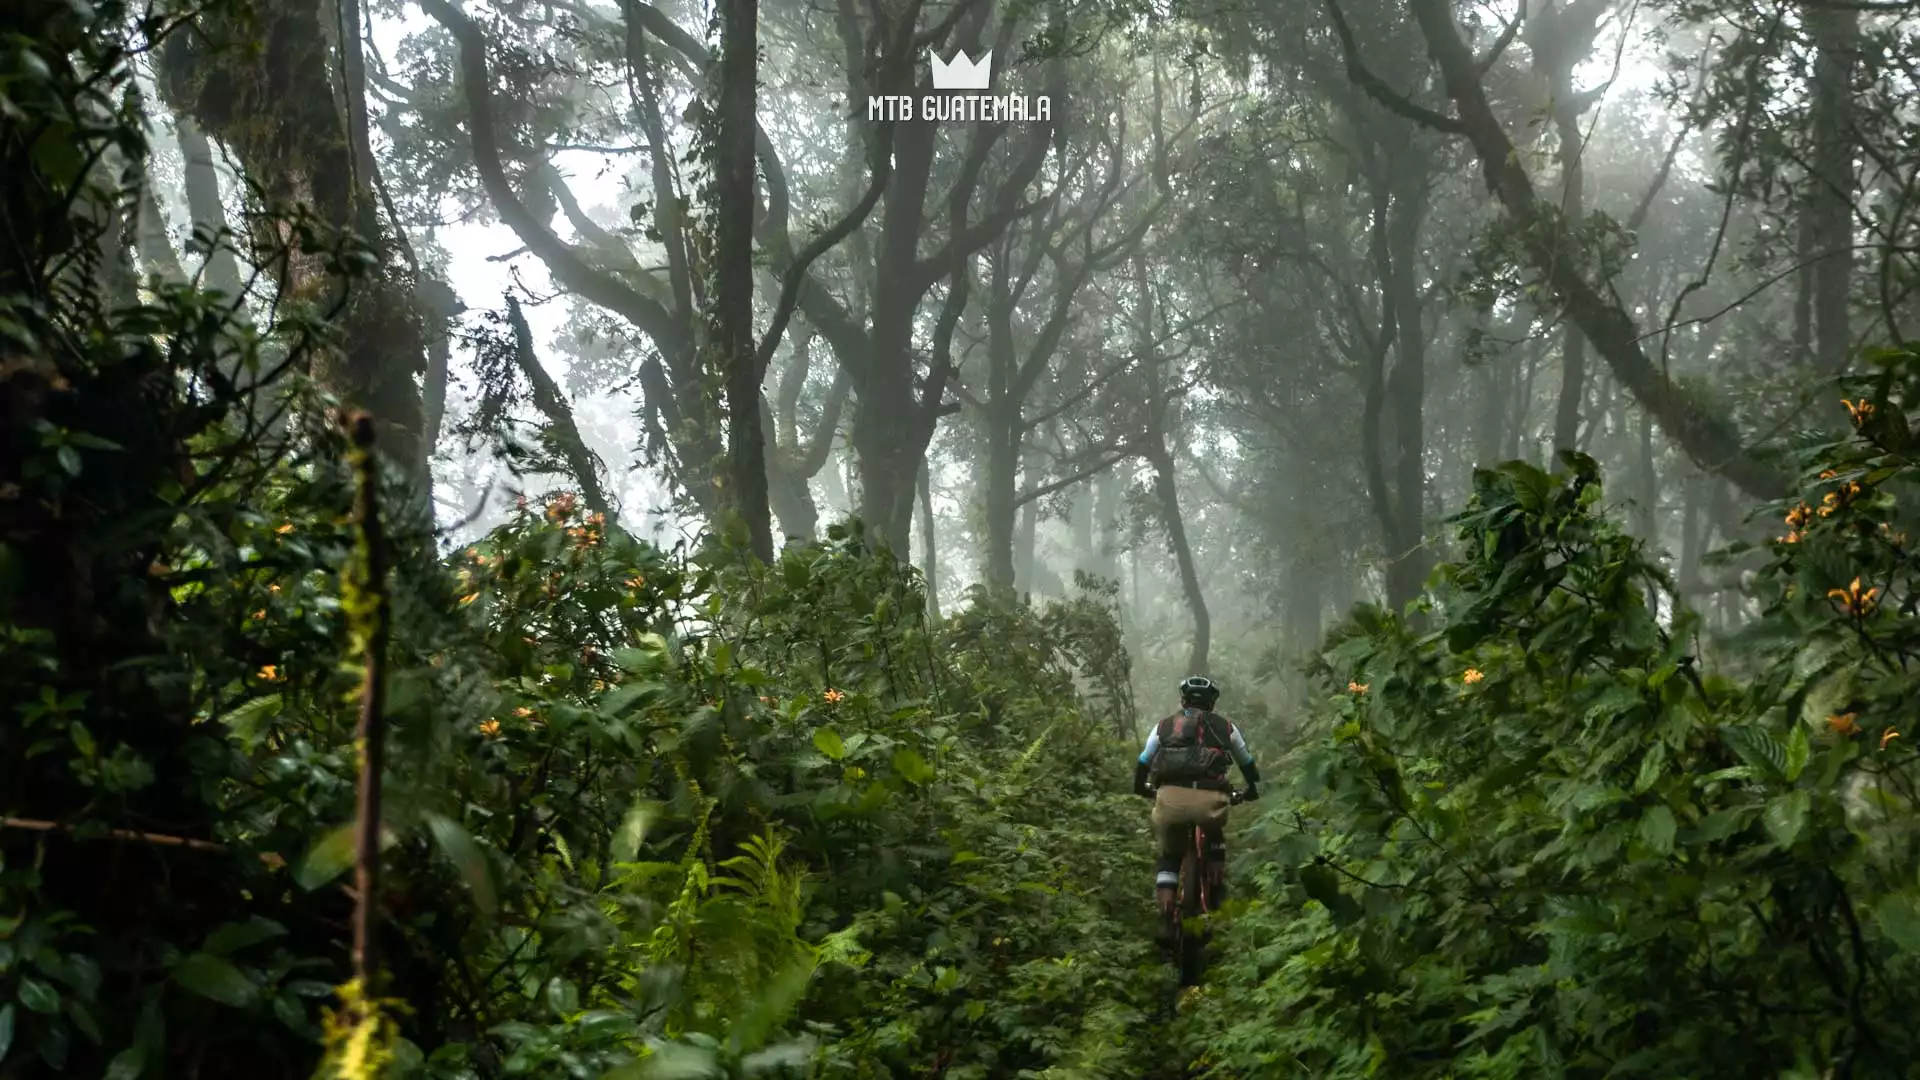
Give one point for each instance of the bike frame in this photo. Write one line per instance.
(1194, 897)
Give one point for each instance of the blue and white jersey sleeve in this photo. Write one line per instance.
(1153, 745)
(1241, 755)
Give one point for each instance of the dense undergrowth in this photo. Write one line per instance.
(1535, 838)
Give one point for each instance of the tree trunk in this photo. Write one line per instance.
(733, 337)
(1406, 386)
(1167, 494)
(1102, 556)
(1836, 34)
(276, 106)
(552, 403)
(1573, 341)
(1026, 534)
(1000, 478)
(1646, 486)
(929, 543)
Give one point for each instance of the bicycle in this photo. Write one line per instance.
(1201, 889)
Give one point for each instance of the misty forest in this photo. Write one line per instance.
(573, 539)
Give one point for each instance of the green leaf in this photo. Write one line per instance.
(1657, 828)
(7, 1014)
(1798, 751)
(332, 855)
(233, 937)
(128, 1064)
(39, 996)
(1786, 816)
(69, 459)
(828, 742)
(910, 765)
(633, 831)
(1899, 915)
(1651, 766)
(458, 844)
(215, 979)
(327, 859)
(676, 1061)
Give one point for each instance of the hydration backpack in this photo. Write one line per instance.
(1193, 748)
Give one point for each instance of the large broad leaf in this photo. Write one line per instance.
(633, 830)
(1899, 915)
(327, 859)
(459, 845)
(233, 937)
(1657, 829)
(215, 979)
(332, 855)
(1798, 752)
(1786, 816)
(909, 764)
(828, 742)
(39, 996)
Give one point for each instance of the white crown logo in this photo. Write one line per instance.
(962, 73)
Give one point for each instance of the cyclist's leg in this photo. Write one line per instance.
(1166, 834)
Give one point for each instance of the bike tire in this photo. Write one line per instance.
(1190, 946)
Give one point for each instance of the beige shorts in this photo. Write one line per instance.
(1177, 809)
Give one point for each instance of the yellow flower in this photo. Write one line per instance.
(1853, 601)
(523, 712)
(834, 697)
(1356, 687)
(1859, 410)
(490, 728)
(270, 673)
(260, 616)
(1797, 516)
(285, 529)
(1888, 736)
(1472, 675)
(636, 581)
(1843, 724)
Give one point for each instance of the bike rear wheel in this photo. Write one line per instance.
(1189, 943)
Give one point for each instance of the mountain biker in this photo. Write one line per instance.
(1186, 759)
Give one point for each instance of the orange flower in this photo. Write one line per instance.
(636, 581)
(1356, 687)
(1859, 411)
(1853, 601)
(1797, 517)
(1843, 724)
(285, 529)
(1471, 676)
(270, 673)
(834, 697)
(260, 615)
(523, 712)
(490, 728)
(1888, 736)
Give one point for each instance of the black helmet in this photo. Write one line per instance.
(1199, 690)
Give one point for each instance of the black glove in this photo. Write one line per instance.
(1140, 787)
(1250, 794)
